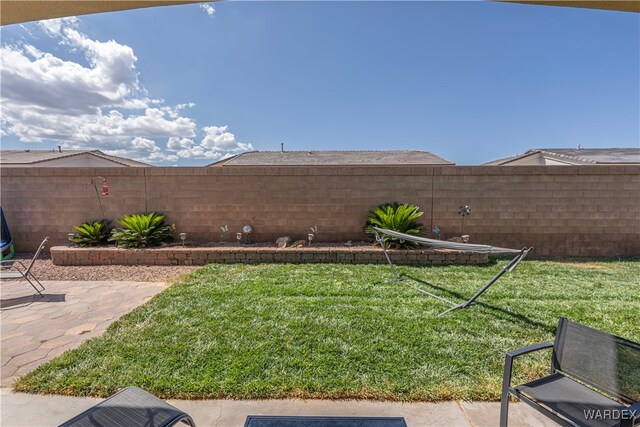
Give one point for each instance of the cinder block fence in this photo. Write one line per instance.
(561, 210)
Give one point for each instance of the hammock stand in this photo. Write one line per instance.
(520, 255)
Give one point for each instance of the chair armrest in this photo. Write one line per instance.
(632, 417)
(13, 262)
(529, 349)
(508, 360)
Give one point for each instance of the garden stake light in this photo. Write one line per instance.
(464, 210)
(436, 231)
(247, 229)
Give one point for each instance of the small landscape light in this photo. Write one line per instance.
(239, 237)
(310, 236)
(70, 236)
(183, 237)
(463, 211)
(247, 229)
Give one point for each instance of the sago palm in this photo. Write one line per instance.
(141, 230)
(92, 233)
(397, 217)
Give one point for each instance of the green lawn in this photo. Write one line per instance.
(337, 331)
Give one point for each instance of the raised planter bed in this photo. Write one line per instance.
(175, 255)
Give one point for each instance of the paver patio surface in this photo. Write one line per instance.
(18, 409)
(36, 329)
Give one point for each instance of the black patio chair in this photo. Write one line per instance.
(594, 379)
(131, 407)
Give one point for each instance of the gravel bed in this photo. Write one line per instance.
(44, 269)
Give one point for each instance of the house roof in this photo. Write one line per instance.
(580, 155)
(503, 160)
(334, 158)
(28, 157)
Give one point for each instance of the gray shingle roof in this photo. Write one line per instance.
(582, 155)
(28, 157)
(597, 155)
(334, 158)
(503, 160)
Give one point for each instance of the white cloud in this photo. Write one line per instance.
(99, 104)
(208, 9)
(219, 139)
(179, 143)
(53, 27)
(142, 149)
(186, 105)
(217, 143)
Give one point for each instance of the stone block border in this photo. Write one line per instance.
(63, 255)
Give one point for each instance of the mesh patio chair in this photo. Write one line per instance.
(131, 407)
(10, 271)
(594, 379)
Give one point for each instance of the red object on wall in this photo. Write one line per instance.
(105, 187)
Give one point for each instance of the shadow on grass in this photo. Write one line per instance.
(497, 312)
(492, 262)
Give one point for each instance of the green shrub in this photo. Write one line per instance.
(397, 217)
(142, 230)
(92, 233)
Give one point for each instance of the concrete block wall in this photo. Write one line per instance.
(561, 211)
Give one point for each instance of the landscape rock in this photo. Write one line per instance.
(455, 239)
(44, 269)
(282, 242)
(298, 244)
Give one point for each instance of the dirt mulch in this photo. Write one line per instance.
(44, 269)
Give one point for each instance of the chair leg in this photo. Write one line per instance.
(34, 286)
(504, 408)
(37, 281)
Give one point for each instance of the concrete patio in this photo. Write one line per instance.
(36, 329)
(34, 410)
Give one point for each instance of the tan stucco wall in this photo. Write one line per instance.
(570, 210)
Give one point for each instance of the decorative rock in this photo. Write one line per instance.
(465, 238)
(455, 239)
(282, 242)
(298, 244)
(349, 243)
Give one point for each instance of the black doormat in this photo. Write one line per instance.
(277, 421)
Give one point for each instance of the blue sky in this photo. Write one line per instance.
(469, 81)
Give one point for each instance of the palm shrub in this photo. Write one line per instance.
(400, 217)
(92, 233)
(142, 230)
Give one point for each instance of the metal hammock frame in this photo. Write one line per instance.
(492, 250)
